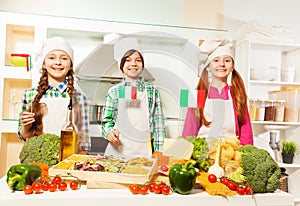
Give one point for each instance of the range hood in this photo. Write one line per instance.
(101, 65)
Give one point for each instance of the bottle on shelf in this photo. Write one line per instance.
(68, 138)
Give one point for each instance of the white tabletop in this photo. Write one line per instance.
(118, 197)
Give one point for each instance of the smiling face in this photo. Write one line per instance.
(57, 63)
(133, 66)
(220, 67)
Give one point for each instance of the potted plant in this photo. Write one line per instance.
(288, 150)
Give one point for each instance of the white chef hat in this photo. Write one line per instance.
(211, 49)
(54, 43)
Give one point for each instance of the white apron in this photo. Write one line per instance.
(56, 115)
(133, 124)
(221, 115)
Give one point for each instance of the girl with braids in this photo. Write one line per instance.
(45, 107)
(225, 112)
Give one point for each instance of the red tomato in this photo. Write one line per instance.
(249, 190)
(212, 178)
(62, 186)
(45, 186)
(156, 189)
(52, 187)
(27, 189)
(231, 185)
(36, 187)
(57, 179)
(165, 189)
(240, 190)
(151, 186)
(143, 189)
(164, 168)
(74, 185)
(134, 189)
(224, 180)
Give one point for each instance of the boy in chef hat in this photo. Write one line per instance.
(225, 112)
(45, 107)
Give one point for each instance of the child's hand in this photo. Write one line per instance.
(114, 136)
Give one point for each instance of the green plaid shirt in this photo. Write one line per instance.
(61, 92)
(156, 117)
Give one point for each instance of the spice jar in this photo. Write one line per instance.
(279, 110)
(283, 181)
(270, 110)
(260, 110)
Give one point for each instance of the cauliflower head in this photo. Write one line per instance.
(44, 149)
(260, 169)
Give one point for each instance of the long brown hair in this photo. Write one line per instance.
(36, 106)
(238, 93)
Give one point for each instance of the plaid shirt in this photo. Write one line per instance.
(156, 117)
(61, 92)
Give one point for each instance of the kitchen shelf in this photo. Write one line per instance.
(272, 83)
(294, 165)
(275, 123)
(12, 94)
(19, 39)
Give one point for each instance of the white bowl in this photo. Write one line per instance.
(264, 74)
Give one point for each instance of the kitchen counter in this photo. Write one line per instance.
(118, 197)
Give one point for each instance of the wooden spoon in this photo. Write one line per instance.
(216, 169)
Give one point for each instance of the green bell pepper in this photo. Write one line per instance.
(22, 174)
(183, 177)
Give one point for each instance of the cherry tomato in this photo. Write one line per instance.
(74, 185)
(151, 186)
(165, 189)
(156, 189)
(224, 180)
(212, 178)
(36, 187)
(134, 189)
(52, 187)
(45, 186)
(62, 186)
(27, 189)
(164, 168)
(240, 190)
(249, 190)
(231, 185)
(57, 179)
(143, 189)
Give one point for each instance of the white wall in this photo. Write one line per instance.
(171, 12)
(272, 12)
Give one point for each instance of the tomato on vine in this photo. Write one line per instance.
(143, 189)
(74, 185)
(36, 187)
(134, 189)
(165, 189)
(62, 186)
(27, 189)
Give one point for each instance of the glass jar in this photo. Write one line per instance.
(270, 110)
(252, 108)
(279, 110)
(260, 110)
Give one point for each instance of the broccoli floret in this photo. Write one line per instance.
(260, 169)
(44, 149)
(200, 152)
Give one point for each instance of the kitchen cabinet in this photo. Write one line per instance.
(171, 56)
(279, 56)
